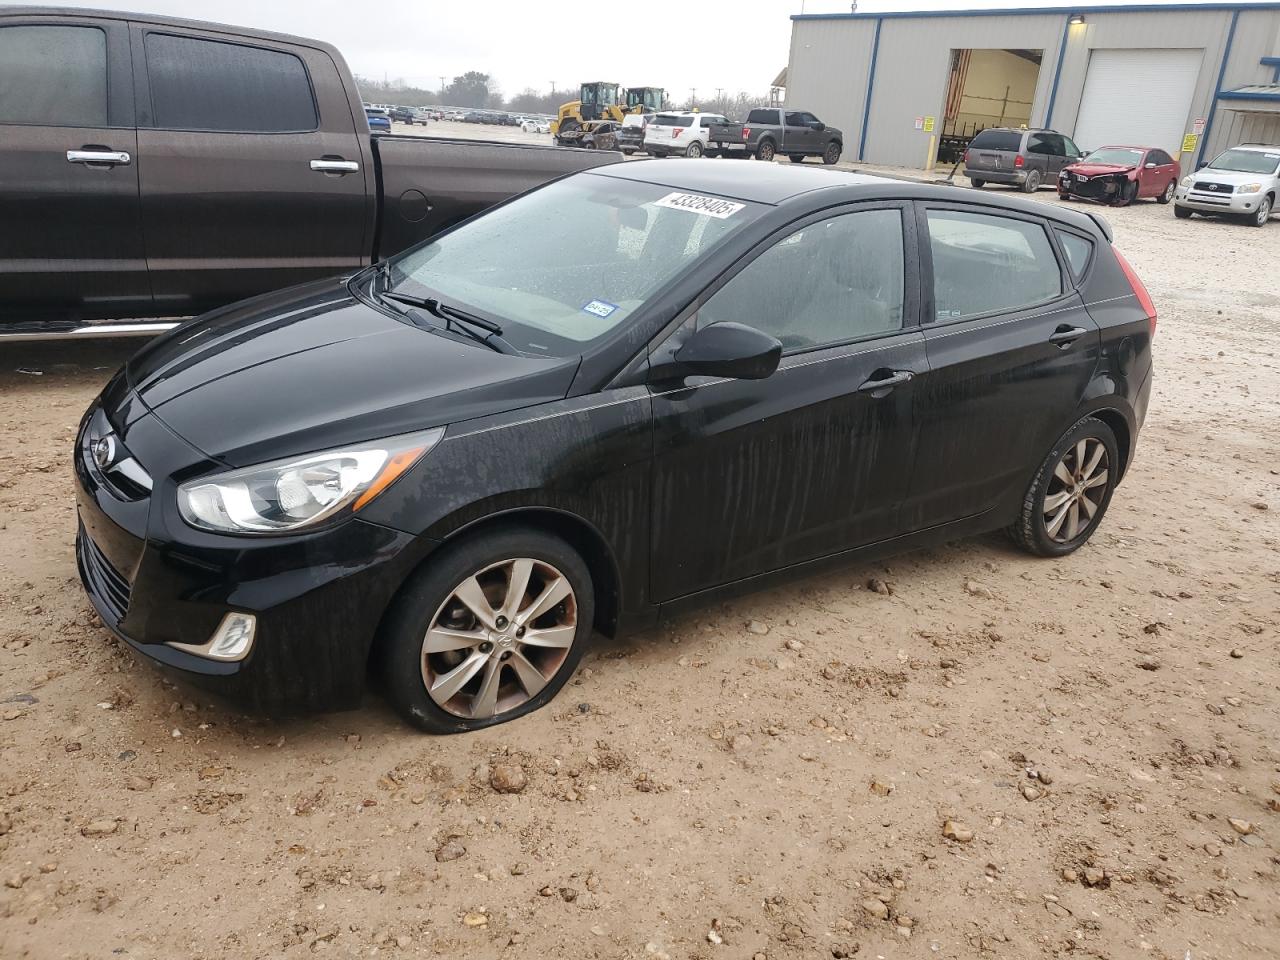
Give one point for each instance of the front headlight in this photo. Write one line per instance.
(1249, 188)
(288, 495)
(1186, 181)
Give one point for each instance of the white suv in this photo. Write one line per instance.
(1244, 180)
(679, 134)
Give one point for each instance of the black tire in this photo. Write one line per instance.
(1030, 531)
(1128, 194)
(711, 153)
(423, 597)
(796, 157)
(1181, 212)
(628, 153)
(694, 149)
(831, 155)
(765, 150)
(1168, 192)
(976, 183)
(1032, 183)
(1065, 196)
(1262, 215)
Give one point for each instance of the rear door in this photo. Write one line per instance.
(754, 475)
(70, 234)
(252, 173)
(1011, 350)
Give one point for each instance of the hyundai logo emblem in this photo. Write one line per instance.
(104, 451)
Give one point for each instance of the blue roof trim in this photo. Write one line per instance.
(871, 84)
(1217, 89)
(1247, 95)
(1030, 11)
(1272, 62)
(1057, 72)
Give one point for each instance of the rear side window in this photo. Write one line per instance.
(986, 264)
(53, 76)
(209, 85)
(762, 116)
(673, 120)
(997, 140)
(1078, 251)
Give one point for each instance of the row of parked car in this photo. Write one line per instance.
(1243, 181)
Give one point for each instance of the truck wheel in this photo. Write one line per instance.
(488, 631)
(831, 155)
(694, 149)
(765, 151)
(796, 157)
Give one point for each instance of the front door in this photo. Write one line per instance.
(253, 176)
(1010, 346)
(70, 234)
(755, 475)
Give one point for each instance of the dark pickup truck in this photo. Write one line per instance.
(769, 132)
(154, 167)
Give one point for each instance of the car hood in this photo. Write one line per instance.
(315, 367)
(1233, 177)
(1099, 169)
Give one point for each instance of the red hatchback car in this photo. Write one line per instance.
(1121, 175)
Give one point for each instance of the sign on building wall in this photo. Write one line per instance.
(1189, 142)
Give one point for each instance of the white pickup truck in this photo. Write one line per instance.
(680, 134)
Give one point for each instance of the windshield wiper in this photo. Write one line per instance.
(457, 320)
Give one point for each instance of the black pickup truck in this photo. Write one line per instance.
(770, 132)
(155, 167)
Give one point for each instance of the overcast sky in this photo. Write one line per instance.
(676, 44)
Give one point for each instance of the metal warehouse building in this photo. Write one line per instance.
(911, 88)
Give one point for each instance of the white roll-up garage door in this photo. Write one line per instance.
(1137, 97)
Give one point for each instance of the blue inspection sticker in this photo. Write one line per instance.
(600, 308)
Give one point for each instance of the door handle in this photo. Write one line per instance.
(1064, 336)
(329, 165)
(109, 157)
(882, 385)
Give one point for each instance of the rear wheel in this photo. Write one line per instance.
(1182, 213)
(1032, 183)
(765, 151)
(831, 155)
(976, 183)
(694, 149)
(1070, 492)
(1262, 214)
(487, 631)
(1168, 192)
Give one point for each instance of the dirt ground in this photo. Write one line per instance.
(1101, 731)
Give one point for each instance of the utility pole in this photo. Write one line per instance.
(693, 96)
(442, 89)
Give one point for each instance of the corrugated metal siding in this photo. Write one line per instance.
(827, 74)
(829, 60)
(1245, 128)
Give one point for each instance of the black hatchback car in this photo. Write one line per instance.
(625, 392)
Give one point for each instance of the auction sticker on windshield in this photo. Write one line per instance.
(600, 308)
(696, 203)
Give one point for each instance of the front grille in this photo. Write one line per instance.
(107, 583)
(1210, 187)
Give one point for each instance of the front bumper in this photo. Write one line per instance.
(318, 598)
(1238, 203)
(1104, 188)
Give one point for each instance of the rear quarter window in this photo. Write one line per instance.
(1078, 251)
(998, 140)
(985, 264)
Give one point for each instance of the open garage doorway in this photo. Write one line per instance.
(987, 88)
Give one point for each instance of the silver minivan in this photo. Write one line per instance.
(1026, 159)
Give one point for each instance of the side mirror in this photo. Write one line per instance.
(1202, 164)
(731, 350)
(1150, 166)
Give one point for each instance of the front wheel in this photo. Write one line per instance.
(488, 630)
(1262, 214)
(766, 151)
(1168, 192)
(1070, 492)
(694, 149)
(831, 155)
(1181, 212)
(1128, 194)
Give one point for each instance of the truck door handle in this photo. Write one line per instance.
(888, 379)
(109, 157)
(1064, 336)
(333, 165)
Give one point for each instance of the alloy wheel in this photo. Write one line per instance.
(1168, 192)
(499, 638)
(1264, 211)
(1076, 490)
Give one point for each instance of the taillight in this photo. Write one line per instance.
(1139, 291)
(676, 131)
(966, 158)
(746, 133)
(1019, 160)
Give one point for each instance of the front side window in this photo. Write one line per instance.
(1160, 158)
(570, 262)
(985, 264)
(829, 282)
(53, 76)
(209, 85)
(1069, 147)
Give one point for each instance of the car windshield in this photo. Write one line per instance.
(1248, 161)
(1119, 156)
(567, 264)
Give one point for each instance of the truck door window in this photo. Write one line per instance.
(53, 76)
(209, 85)
(795, 119)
